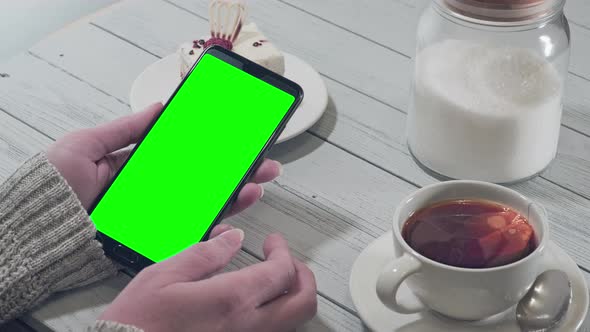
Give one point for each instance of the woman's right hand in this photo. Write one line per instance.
(184, 293)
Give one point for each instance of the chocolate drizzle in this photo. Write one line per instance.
(198, 43)
(259, 43)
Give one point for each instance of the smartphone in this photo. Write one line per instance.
(194, 158)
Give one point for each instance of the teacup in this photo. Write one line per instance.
(455, 292)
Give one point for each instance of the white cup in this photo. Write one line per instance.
(461, 293)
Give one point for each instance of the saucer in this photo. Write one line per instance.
(377, 317)
(159, 80)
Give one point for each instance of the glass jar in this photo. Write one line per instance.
(488, 84)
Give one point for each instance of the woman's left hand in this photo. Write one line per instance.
(89, 158)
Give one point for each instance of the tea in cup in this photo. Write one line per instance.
(468, 249)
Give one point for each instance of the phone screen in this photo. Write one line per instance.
(183, 172)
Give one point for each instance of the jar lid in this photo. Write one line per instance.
(504, 10)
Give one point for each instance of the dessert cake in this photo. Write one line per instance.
(227, 30)
(250, 43)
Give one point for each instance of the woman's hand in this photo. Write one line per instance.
(185, 293)
(89, 158)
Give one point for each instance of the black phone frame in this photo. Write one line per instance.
(134, 260)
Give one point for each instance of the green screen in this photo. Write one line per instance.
(194, 157)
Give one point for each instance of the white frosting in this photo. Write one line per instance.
(265, 54)
(187, 60)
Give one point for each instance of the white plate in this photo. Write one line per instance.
(379, 318)
(159, 80)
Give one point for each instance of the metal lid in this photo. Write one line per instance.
(515, 11)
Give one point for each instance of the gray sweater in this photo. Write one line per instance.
(47, 242)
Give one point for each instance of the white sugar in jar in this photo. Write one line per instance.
(487, 98)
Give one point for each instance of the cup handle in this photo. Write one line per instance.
(391, 279)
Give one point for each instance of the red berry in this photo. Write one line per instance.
(219, 41)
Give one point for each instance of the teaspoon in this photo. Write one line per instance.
(545, 304)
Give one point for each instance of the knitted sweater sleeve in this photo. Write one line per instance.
(47, 241)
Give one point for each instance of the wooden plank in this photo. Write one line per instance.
(30, 19)
(576, 104)
(390, 23)
(577, 12)
(580, 41)
(18, 142)
(83, 49)
(76, 309)
(172, 26)
(35, 87)
(572, 167)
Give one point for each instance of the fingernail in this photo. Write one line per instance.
(280, 167)
(224, 228)
(233, 236)
(261, 190)
(155, 105)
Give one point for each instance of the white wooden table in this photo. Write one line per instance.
(342, 178)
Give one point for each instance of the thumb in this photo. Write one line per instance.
(204, 258)
(120, 133)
